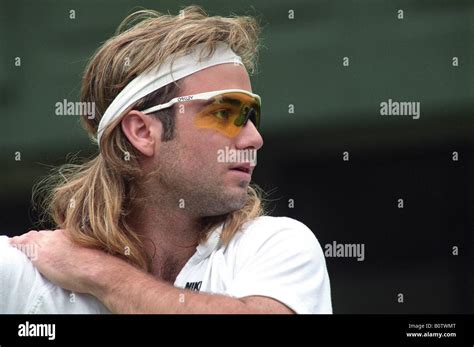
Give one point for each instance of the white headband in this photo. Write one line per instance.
(168, 72)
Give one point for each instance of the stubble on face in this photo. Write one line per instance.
(193, 182)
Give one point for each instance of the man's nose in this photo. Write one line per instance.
(249, 137)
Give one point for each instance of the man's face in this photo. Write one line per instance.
(190, 166)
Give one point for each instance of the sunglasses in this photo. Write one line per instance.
(226, 111)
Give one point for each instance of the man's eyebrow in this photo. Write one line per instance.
(202, 103)
(232, 101)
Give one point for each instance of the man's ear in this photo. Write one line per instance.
(143, 131)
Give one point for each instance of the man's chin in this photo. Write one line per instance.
(243, 185)
(233, 201)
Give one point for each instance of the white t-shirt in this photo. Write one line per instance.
(276, 257)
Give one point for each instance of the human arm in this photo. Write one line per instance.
(124, 288)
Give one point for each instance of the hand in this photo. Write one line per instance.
(60, 260)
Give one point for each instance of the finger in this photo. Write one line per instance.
(18, 240)
(29, 233)
(45, 232)
(14, 240)
(26, 246)
(26, 238)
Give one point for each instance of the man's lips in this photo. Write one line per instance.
(244, 167)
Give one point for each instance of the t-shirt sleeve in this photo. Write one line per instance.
(24, 290)
(18, 280)
(283, 260)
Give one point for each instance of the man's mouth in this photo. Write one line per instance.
(246, 168)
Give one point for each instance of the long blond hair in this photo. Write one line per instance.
(91, 200)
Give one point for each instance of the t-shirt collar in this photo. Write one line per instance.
(205, 248)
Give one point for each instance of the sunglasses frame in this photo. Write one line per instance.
(200, 96)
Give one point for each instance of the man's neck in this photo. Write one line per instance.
(171, 237)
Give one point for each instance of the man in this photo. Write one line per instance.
(158, 222)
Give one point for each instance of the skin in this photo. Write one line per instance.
(184, 168)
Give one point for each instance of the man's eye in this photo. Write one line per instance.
(222, 114)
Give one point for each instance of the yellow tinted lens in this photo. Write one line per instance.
(225, 113)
